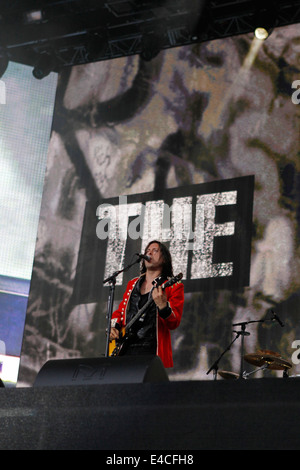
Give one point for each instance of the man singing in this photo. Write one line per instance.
(150, 335)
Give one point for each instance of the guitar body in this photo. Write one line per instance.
(115, 347)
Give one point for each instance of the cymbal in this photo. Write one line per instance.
(228, 375)
(255, 359)
(273, 362)
(279, 364)
(268, 352)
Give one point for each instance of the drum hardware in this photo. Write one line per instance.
(264, 359)
(272, 361)
(242, 332)
(232, 375)
(246, 374)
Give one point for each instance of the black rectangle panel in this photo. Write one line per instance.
(258, 414)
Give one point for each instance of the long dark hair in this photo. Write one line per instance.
(167, 268)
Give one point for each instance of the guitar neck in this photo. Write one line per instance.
(150, 300)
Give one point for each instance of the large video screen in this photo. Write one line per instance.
(199, 148)
(26, 111)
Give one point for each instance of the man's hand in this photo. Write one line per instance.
(159, 297)
(114, 334)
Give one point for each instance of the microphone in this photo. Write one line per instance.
(146, 257)
(274, 317)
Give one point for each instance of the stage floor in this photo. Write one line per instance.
(256, 414)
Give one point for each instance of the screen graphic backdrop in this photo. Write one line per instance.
(193, 118)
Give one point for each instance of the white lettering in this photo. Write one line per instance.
(296, 354)
(181, 234)
(117, 460)
(156, 220)
(296, 94)
(117, 235)
(205, 231)
(153, 225)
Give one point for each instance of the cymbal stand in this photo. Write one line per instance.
(245, 375)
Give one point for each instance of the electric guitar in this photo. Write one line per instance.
(116, 346)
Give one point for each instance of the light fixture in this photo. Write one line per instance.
(261, 33)
(34, 16)
(266, 21)
(44, 65)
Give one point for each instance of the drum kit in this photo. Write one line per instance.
(262, 359)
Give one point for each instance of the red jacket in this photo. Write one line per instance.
(175, 296)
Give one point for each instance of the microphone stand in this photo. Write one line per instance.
(241, 333)
(112, 282)
(244, 333)
(215, 367)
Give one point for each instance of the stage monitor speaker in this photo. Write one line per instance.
(108, 370)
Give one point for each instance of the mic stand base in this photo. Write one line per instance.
(214, 367)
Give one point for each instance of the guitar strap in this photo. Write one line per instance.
(135, 317)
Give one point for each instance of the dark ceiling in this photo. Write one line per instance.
(71, 32)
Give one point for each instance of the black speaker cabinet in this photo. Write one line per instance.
(96, 371)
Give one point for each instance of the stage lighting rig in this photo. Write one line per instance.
(83, 31)
(151, 46)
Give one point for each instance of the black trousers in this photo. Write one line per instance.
(139, 350)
